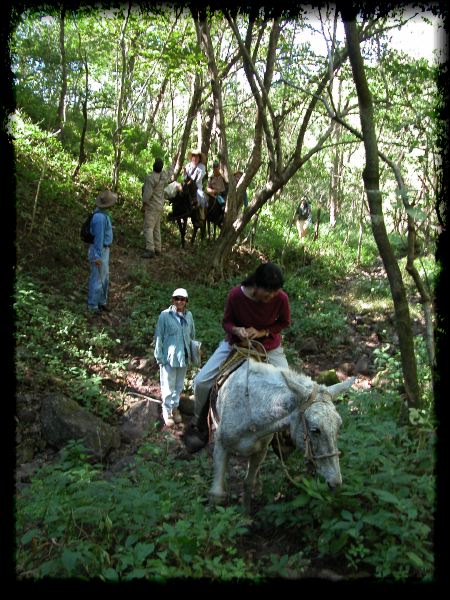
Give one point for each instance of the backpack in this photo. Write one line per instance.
(85, 232)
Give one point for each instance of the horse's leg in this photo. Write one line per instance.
(181, 230)
(194, 232)
(217, 492)
(254, 462)
(203, 224)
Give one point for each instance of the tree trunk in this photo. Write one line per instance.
(152, 117)
(316, 229)
(371, 182)
(361, 230)
(204, 39)
(192, 112)
(82, 153)
(207, 127)
(61, 112)
(118, 133)
(267, 126)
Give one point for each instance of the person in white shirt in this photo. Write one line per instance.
(196, 171)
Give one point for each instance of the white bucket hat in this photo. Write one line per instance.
(180, 292)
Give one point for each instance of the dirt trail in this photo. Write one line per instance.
(363, 335)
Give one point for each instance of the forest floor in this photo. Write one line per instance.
(144, 382)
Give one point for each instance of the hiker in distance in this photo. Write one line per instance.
(303, 217)
(152, 206)
(98, 253)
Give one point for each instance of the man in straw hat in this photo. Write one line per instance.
(196, 170)
(98, 253)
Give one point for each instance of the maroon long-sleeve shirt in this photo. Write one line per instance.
(241, 311)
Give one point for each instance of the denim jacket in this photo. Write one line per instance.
(101, 229)
(172, 339)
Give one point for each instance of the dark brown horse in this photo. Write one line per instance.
(215, 214)
(185, 206)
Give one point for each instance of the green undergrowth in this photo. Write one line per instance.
(381, 521)
(72, 522)
(153, 520)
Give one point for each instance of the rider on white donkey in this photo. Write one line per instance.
(257, 309)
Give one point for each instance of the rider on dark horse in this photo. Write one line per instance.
(195, 171)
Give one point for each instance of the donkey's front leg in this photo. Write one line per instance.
(217, 492)
(254, 462)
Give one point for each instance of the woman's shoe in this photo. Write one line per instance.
(167, 418)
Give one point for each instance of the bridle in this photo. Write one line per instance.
(309, 453)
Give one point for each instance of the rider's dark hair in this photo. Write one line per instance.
(267, 276)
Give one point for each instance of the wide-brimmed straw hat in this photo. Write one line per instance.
(199, 153)
(106, 199)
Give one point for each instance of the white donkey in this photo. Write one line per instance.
(258, 400)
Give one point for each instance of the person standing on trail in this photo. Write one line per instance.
(257, 309)
(173, 335)
(303, 217)
(98, 253)
(152, 206)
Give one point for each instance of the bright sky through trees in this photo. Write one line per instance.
(418, 38)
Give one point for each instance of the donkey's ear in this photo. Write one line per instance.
(299, 384)
(339, 388)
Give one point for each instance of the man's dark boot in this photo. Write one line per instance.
(196, 435)
(195, 438)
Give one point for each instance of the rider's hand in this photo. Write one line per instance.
(253, 333)
(241, 333)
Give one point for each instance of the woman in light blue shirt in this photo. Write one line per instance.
(174, 332)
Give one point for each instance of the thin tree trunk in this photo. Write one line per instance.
(421, 286)
(61, 111)
(192, 112)
(279, 173)
(82, 153)
(152, 117)
(316, 229)
(36, 197)
(117, 135)
(371, 181)
(207, 128)
(361, 230)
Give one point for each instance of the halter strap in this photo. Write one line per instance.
(309, 453)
